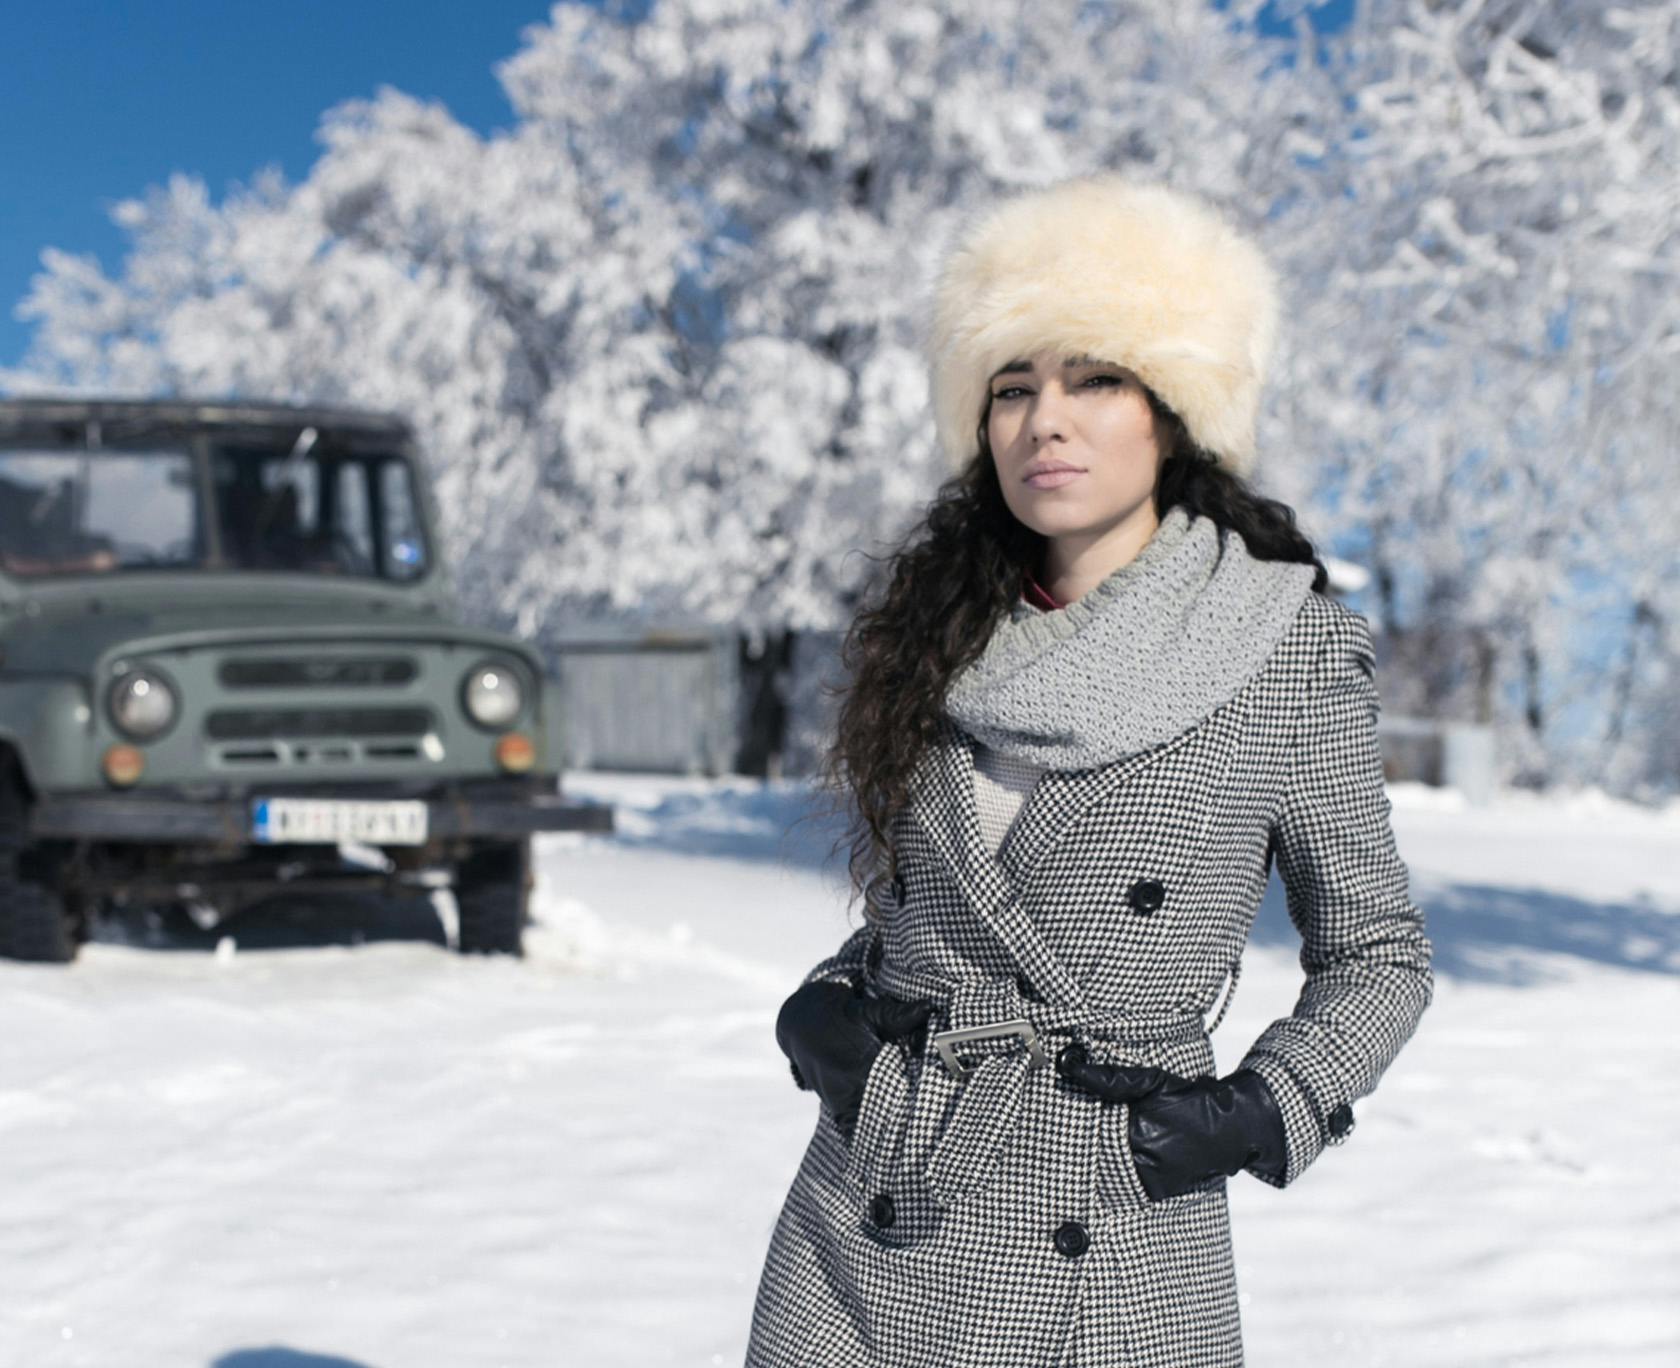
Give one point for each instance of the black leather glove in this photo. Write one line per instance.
(1184, 1131)
(831, 1033)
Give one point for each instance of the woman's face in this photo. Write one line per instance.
(1049, 410)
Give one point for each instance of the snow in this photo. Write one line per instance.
(274, 1149)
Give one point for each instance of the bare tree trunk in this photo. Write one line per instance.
(1485, 663)
(1621, 691)
(1533, 713)
(764, 673)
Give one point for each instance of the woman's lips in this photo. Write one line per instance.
(1052, 479)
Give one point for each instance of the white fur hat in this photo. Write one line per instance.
(1138, 274)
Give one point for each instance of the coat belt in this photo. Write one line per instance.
(984, 1037)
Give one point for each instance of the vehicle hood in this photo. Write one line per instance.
(69, 632)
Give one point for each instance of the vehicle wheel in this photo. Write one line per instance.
(491, 898)
(33, 923)
(79, 912)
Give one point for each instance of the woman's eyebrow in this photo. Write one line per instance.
(1020, 367)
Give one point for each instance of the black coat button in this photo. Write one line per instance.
(898, 889)
(1146, 895)
(882, 1211)
(1341, 1121)
(1071, 1239)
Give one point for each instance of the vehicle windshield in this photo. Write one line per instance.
(74, 511)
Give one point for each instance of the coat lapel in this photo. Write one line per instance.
(1061, 798)
(943, 802)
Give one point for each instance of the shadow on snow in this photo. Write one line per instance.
(1487, 933)
(1493, 933)
(287, 920)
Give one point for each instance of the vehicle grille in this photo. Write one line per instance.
(335, 672)
(266, 723)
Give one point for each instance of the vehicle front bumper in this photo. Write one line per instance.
(488, 809)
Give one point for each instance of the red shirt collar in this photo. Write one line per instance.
(1037, 595)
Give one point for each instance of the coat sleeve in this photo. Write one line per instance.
(848, 963)
(1363, 947)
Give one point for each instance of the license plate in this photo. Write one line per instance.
(397, 821)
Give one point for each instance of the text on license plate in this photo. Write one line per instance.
(397, 821)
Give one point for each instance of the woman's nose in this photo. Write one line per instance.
(1048, 414)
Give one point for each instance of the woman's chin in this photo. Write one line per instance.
(1051, 516)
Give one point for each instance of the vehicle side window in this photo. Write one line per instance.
(354, 514)
(404, 543)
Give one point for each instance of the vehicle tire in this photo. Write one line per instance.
(491, 898)
(33, 923)
(79, 913)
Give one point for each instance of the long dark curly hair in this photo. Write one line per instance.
(930, 611)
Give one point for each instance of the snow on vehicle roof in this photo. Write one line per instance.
(45, 411)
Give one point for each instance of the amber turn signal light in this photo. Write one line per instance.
(515, 753)
(123, 765)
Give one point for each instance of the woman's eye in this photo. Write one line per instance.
(1104, 380)
(1008, 392)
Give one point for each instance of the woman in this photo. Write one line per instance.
(1102, 691)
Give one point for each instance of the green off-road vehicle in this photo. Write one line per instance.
(229, 665)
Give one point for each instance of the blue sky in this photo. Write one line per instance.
(102, 100)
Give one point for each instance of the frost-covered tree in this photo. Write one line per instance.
(660, 336)
(830, 148)
(1494, 398)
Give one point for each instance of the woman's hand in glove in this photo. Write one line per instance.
(1184, 1131)
(831, 1033)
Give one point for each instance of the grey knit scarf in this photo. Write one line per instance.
(1141, 656)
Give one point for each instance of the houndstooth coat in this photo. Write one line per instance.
(987, 1212)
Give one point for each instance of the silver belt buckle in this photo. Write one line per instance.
(946, 1043)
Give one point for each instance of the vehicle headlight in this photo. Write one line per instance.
(492, 695)
(142, 704)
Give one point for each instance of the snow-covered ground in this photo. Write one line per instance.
(382, 1154)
